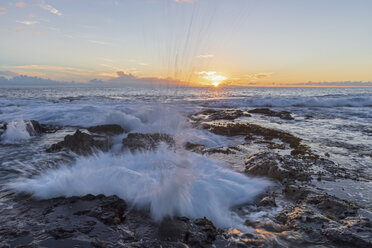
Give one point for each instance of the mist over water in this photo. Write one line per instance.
(16, 133)
(167, 183)
(172, 182)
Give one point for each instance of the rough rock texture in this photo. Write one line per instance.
(338, 224)
(143, 142)
(276, 167)
(251, 130)
(81, 143)
(109, 130)
(212, 115)
(285, 115)
(198, 148)
(96, 221)
(234, 129)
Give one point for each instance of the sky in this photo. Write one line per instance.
(194, 42)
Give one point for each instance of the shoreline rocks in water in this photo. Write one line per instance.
(81, 143)
(276, 167)
(318, 218)
(213, 115)
(302, 215)
(110, 130)
(35, 128)
(285, 115)
(97, 221)
(146, 142)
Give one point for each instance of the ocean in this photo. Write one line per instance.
(332, 121)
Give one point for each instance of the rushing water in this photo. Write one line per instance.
(333, 120)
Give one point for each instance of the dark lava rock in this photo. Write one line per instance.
(198, 148)
(285, 115)
(96, 221)
(212, 115)
(202, 233)
(337, 208)
(343, 237)
(250, 130)
(325, 229)
(267, 201)
(274, 166)
(107, 129)
(226, 151)
(81, 143)
(145, 142)
(235, 129)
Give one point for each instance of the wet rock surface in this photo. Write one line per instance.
(316, 217)
(81, 143)
(251, 131)
(110, 130)
(299, 214)
(285, 115)
(213, 115)
(146, 142)
(306, 216)
(282, 168)
(97, 221)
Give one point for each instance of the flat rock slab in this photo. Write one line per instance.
(96, 221)
(109, 130)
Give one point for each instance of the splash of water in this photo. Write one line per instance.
(15, 133)
(165, 182)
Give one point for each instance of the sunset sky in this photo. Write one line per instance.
(203, 42)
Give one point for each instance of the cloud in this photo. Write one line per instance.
(261, 75)
(124, 75)
(100, 42)
(205, 56)
(23, 80)
(184, 1)
(2, 11)
(50, 8)
(338, 84)
(8, 74)
(27, 31)
(20, 4)
(27, 22)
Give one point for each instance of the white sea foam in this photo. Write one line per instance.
(16, 133)
(167, 183)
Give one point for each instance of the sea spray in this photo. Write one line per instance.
(15, 133)
(165, 182)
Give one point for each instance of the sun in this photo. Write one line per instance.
(213, 79)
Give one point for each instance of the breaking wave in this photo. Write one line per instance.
(16, 133)
(166, 182)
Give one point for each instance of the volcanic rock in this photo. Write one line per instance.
(212, 115)
(109, 130)
(97, 221)
(81, 143)
(285, 115)
(146, 142)
(274, 166)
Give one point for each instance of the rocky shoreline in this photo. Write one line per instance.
(302, 213)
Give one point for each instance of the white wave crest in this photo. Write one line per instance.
(16, 133)
(165, 182)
